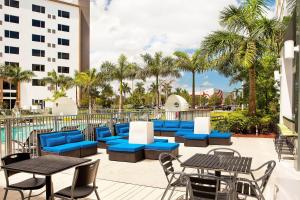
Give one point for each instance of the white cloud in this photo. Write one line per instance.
(135, 26)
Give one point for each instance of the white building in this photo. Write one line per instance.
(42, 35)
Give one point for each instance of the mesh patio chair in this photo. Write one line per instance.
(84, 183)
(30, 184)
(255, 187)
(206, 187)
(284, 145)
(174, 178)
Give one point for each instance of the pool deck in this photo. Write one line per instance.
(145, 180)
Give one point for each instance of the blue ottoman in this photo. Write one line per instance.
(179, 135)
(103, 140)
(125, 152)
(220, 138)
(161, 140)
(153, 150)
(196, 140)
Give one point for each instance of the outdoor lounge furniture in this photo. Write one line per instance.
(30, 184)
(202, 125)
(126, 152)
(141, 132)
(84, 182)
(122, 129)
(104, 135)
(196, 140)
(174, 178)
(218, 138)
(168, 128)
(69, 143)
(179, 135)
(119, 141)
(285, 141)
(255, 186)
(152, 151)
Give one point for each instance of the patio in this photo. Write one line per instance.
(145, 180)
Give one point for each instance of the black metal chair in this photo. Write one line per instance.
(84, 183)
(30, 184)
(284, 145)
(206, 187)
(174, 178)
(255, 187)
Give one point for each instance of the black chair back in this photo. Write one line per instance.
(166, 161)
(86, 174)
(270, 165)
(224, 152)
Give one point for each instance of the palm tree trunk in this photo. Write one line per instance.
(252, 91)
(90, 102)
(18, 94)
(193, 90)
(120, 98)
(157, 93)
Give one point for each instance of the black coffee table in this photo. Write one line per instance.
(46, 166)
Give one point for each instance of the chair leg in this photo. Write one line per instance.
(5, 193)
(29, 196)
(97, 195)
(22, 195)
(172, 192)
(165, 192)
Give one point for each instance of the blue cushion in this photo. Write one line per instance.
(62, 148)
(45, 137)
(105, 139)
(124, 147)
(196, 136)
(124, 130)
(187, 124)
(124, 135)
(86, 144)
(162, 146)
(75, 138)
(161, 140)
(118, 126)
(184, 132)
(157, 123)
(76, 132)
(215, 131)
(56, 141)
(169, 129)
(172, 124)
(220, 135)
(104, 133)
(117, 141)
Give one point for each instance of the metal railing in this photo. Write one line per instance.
(20, 134)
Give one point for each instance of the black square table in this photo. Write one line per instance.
(219, 163)
(46, 166)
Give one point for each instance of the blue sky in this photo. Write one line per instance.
(134, 27)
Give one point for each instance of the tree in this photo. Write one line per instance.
(214, 100)
(89, 81)
(126, 89)
(158, 66)
(139, 88)
(167, 88)
(184, 93)
(194, 64)
(15, 75)
(120, 72)
(202, 100)
(236, 50)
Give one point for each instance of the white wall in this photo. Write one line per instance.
(25, 58)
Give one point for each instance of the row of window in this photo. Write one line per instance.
(36, 8)
(35, 23)
(36, 52)
(41, 68)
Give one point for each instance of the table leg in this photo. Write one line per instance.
(48, 188)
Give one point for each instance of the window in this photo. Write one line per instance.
(38, 23)
(64, 42)
(11, 50)
(37, 8)
(11, 18)
(12, 3)
(62, 69)
(64, 56)
(38, 68)
(37, 102)
(11, 34)
(12, 63)
(38, 53)
(64, 28)
(38, 82)
(63, 14)
(38, 38)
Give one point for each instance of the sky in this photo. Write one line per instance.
(134, 27)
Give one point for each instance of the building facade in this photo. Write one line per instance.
(42, 36)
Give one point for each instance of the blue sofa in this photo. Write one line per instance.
(122, 129)
(196, 140)
(125, 152)
(152, 151)
(68, 143)
(103, 135)
(168, 128)
(219, 138)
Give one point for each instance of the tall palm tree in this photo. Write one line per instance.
(193, 64)
(89, 81)
(159, 66)
(15, 75)
(58, 81)
(126, 89)
(166, 87)
(120, 72)
(237, 49)
(139, 88)
(135, 72)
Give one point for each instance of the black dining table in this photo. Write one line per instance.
(47, 166)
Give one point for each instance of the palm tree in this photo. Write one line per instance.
(134, 73)
(120, 72)
(193, 64)
(159, 66)
(15, 75)
(139, 88)
(89, 81)
(167, 87)
(58, 81)
(126, 89)
(236, 50)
